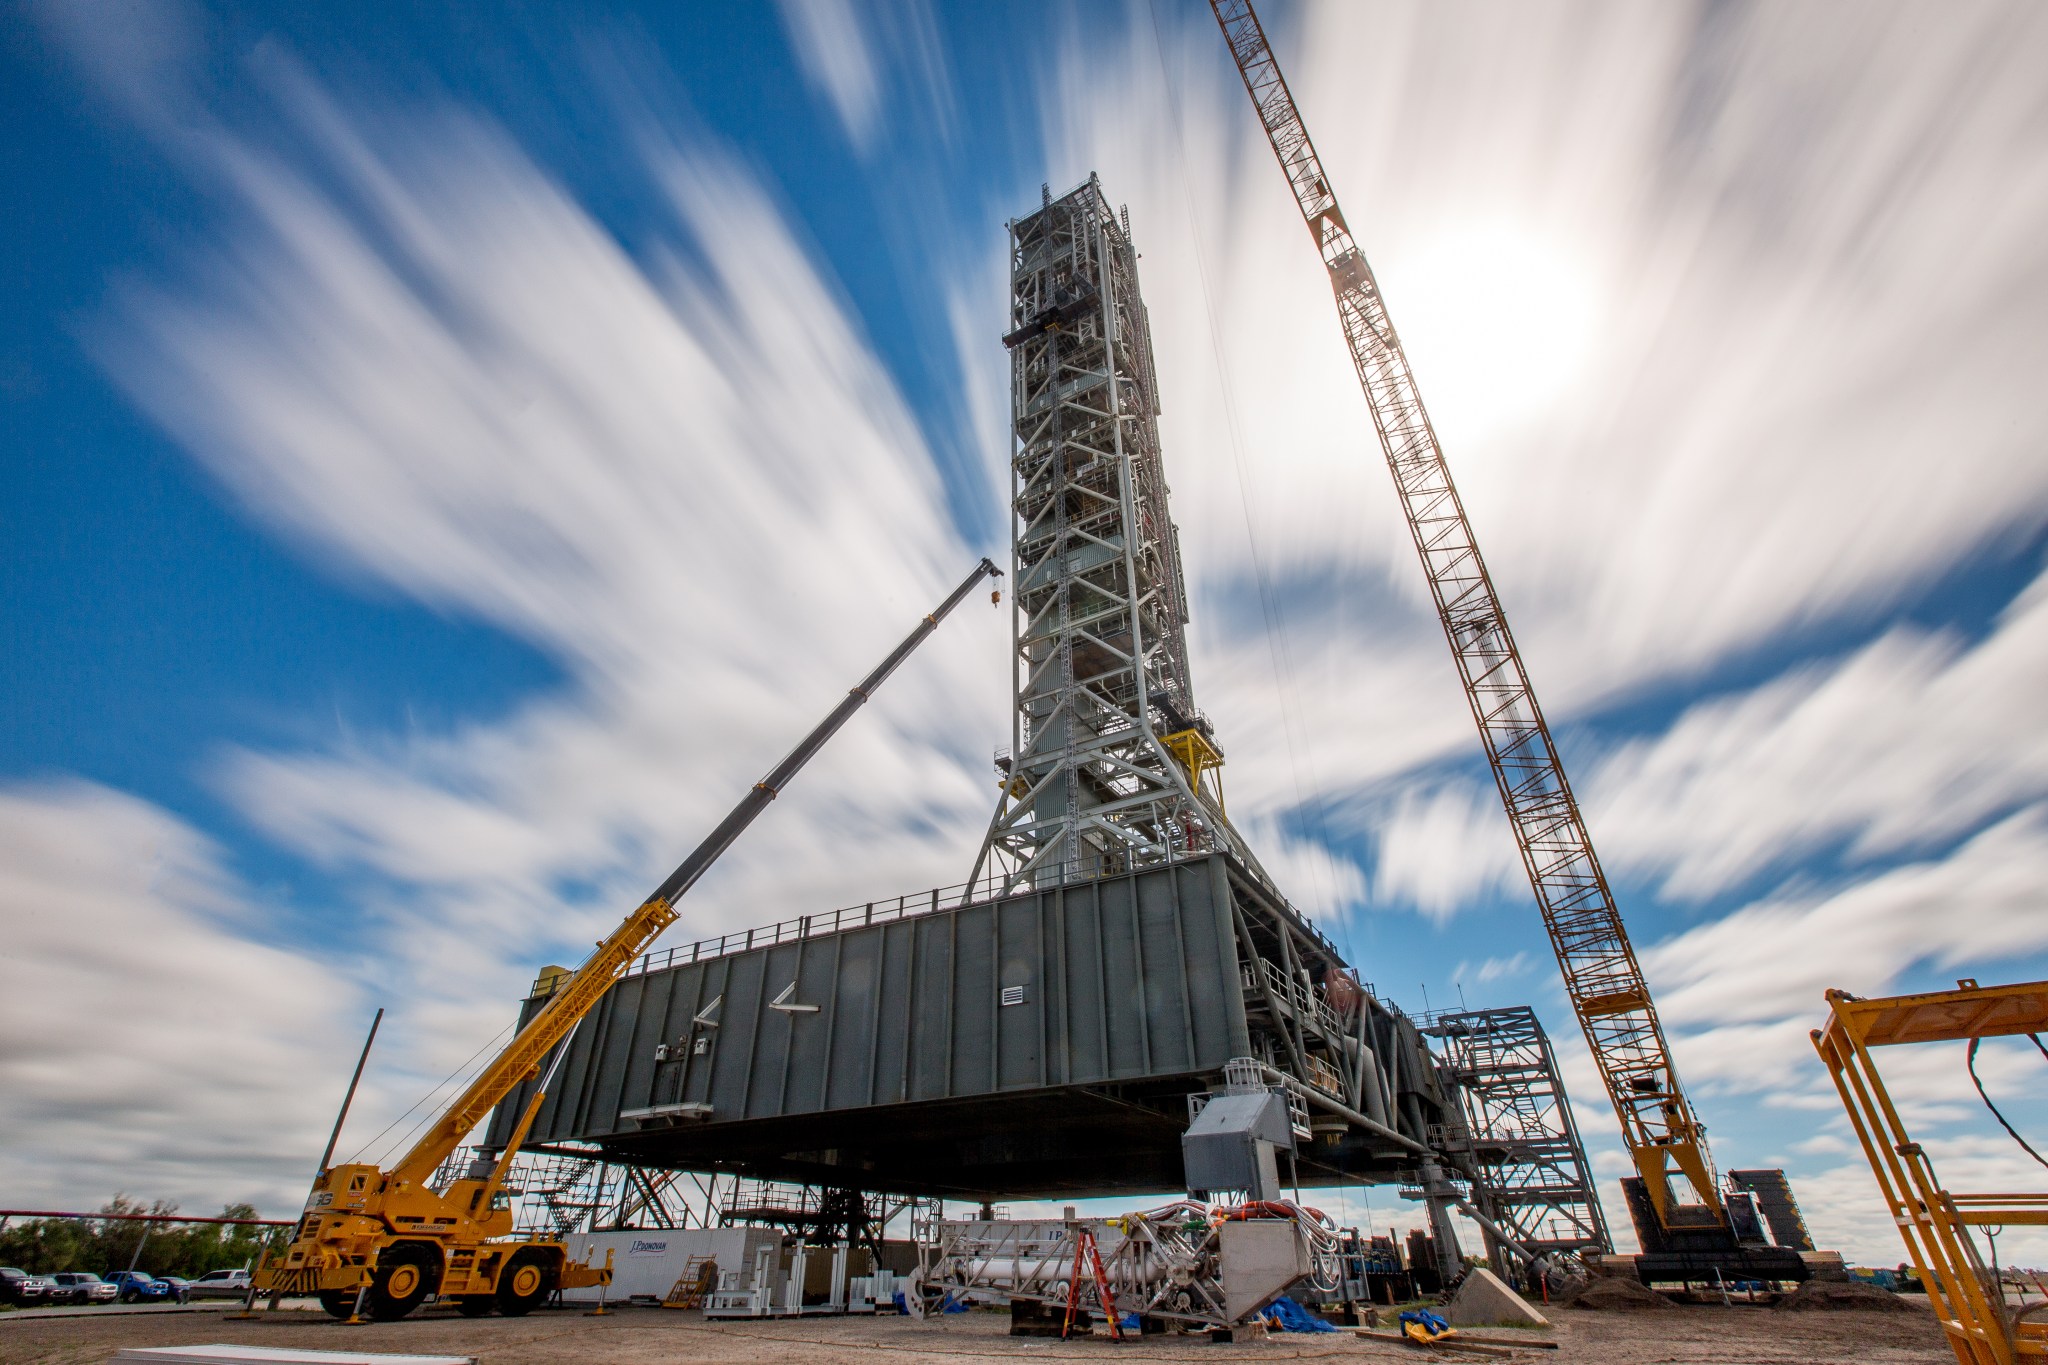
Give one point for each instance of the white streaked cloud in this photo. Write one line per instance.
(1799, 377)
(153, 1037)
(1440, 849)
(682, 474)
(871, 61)
(1772, 960)
(1915, 739)
(691, 483)
(1494, 968)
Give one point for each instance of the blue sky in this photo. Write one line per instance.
(446, 459)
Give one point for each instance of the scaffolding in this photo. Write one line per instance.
(559, 1191)
(1517, 1141)
(1111, 768)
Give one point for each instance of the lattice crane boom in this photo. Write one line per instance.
(1601, 974)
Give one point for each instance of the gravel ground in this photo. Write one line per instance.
(644, 1336)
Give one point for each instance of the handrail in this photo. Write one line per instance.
(1298, 997)
(909, 905)
(906, 906)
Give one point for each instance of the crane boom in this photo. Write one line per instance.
(1601, 975)
(386, 1239)
(522, 1057)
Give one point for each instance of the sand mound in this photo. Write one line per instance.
(1837, 1296)
(1610, 1293)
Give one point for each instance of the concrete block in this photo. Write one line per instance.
(1260, 1259)
(1483, 1299)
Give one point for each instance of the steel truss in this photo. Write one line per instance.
(1601, 975)
(1111, 766)
(821, 1215)
(559, 1191)
(1518, 1141)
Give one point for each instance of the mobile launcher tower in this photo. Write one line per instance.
(1040, 1031)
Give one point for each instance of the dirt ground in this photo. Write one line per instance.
(633, 1336)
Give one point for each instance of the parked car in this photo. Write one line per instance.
(180, 1286)
(137, 1287)
(82, 1286)
(20, 1288)
(220, 1284)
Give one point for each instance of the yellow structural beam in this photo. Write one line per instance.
(1933, 1220)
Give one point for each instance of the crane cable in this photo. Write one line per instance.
(461, 1070)
(1284, 677)
(1986, 1097)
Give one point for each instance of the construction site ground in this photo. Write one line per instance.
(633, 1336)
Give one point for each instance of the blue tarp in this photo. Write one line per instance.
(1292, 1317)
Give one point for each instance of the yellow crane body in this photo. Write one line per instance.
(380, 1241)
(392, 1238)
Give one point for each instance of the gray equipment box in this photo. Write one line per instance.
(1231, 1145)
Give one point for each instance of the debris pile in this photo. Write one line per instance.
(1837, 1296)
(1613, 1293)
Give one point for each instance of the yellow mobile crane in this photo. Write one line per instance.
(379, 1241)
(1601, 975)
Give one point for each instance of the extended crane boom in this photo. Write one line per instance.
(385, 1239)
(1601, 975)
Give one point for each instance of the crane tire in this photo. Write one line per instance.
(404, 1278)
(524, 1283)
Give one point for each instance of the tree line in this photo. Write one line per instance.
(101, 1244)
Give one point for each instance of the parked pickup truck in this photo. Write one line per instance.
(82, 1286)
(220, 1284)
(20, 1288)
(137, 1287)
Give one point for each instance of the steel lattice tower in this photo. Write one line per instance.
(1602, 977)
(1111, 766)
(1519, 1143)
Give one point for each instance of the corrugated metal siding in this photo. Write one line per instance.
(1123, 978)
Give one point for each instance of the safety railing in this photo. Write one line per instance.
(908, 906)
(912, 905)
(1299, 998)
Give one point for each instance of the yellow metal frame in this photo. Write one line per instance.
(1935, 1222)
(1193, 751)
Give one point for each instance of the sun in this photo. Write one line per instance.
(1497, 323)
